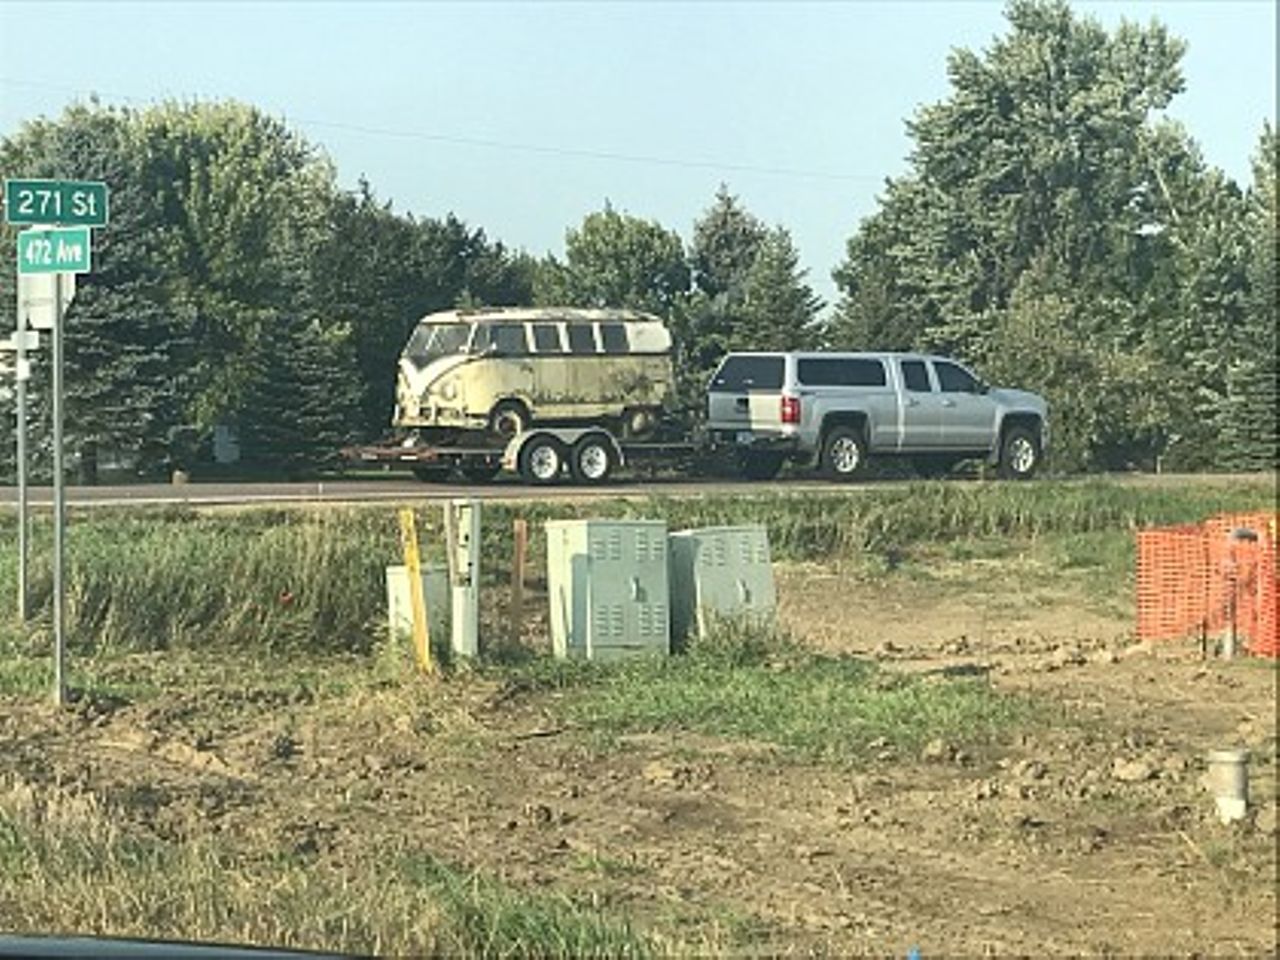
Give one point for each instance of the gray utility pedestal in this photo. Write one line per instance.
(607, 584)
(720, 573)
(435, 590)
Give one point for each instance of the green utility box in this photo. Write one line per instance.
(719, 573)
(607, 583)
(435, 590)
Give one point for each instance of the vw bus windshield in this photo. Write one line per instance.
(430, 341)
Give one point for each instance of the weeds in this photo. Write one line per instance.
(313, 579)
(68, 868)
(751, 684)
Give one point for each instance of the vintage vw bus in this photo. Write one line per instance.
(502, 369)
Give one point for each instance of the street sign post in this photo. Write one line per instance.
(54, 250)
(79, 202)
(60, 251)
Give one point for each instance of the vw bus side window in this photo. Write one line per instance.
(546, 338)
(582, 338)
(501, 339)
(430, 341)
(613, 337)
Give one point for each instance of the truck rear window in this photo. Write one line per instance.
(738, 374)
(841, 372)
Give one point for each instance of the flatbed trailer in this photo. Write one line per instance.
(541, 455)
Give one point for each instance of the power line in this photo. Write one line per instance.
(492, 144)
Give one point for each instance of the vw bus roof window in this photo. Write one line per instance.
(430, 341)
(613, 337)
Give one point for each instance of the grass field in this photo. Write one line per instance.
(937, 717)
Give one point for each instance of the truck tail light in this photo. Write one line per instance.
(790, 409)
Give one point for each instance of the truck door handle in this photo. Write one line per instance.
(913, 402)
(948, 403)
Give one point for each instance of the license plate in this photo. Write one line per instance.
(745, 436)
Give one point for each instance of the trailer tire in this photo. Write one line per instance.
(541, 460)
(592, 459)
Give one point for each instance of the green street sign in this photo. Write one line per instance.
(79, 202)
(64, 250)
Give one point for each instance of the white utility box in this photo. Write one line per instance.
(435, 590)
(607, 584)
(720, 573)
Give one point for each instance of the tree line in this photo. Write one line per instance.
(1053, 228)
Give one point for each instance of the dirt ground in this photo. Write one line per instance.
(1091, 834)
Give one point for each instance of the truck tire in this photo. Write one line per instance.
(509, 418)
(759, 465)
(542, 460)
(1019, 453)
(591, 460)
(844, 453)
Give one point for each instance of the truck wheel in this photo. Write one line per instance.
(509, 418)
(756, 465)
(1019, 454)
(436, 473)
(844, 453)
(481, 472)
(591, 460)
(541, 460)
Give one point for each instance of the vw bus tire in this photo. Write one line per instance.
(844, 453)
(1019, 454)
(542, 460)
(510, 418)
(592, 460)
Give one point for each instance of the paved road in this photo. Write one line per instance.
(397, 488)
(355, 491)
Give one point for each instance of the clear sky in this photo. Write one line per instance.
(523, 117)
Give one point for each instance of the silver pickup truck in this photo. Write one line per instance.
(836, 410)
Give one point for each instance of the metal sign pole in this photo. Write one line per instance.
(21, 392)
(59, 509)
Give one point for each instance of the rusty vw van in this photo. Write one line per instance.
(500, 370)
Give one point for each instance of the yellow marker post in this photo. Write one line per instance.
(417, 601)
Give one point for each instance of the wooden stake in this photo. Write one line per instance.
(417, 599)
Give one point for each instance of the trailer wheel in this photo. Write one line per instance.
(542, 460)
(592, 459)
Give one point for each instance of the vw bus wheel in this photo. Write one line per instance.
(541, 460)
(509, 419)
(592, 460)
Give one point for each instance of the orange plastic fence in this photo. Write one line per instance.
(1202, 579)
